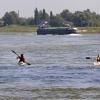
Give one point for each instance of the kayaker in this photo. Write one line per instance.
(21, 58)
(98, 58)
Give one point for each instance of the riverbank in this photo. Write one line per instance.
(17, 28)
(88, 29)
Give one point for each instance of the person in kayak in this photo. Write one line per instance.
(21, 58)
(98, 58)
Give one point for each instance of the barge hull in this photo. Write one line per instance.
(54, 31)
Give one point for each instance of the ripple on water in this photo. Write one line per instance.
(59, 69)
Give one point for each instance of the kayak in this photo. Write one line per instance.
(21, 63)
(96, 63)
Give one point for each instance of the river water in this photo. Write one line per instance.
(59, 69)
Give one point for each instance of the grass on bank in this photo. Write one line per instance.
(89, 29)
(17, 28)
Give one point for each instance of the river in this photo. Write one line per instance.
(59, 69)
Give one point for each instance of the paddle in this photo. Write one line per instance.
(88, 58)
(19, 56)
(95, 58)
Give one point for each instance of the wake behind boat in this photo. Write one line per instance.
(75, 34)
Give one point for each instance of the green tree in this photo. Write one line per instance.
(51, 15)
(43, 16)
(57, 21)
(36, 17)
(67, 15)
(30, 21)
(23, 21)
(10, 18)
(7, 19)
(81, 18)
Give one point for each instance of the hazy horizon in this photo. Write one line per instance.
(26, 7)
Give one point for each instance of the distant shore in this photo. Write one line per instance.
(17, 28)
(88, 29)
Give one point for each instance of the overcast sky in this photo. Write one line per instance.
(26, 7)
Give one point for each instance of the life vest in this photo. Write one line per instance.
(22, 59)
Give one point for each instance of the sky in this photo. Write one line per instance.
(26, 7)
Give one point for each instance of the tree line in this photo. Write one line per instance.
(84, 18)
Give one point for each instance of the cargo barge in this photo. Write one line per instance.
(58, 31)
(44, 30)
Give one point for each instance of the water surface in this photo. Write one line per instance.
(59, 69)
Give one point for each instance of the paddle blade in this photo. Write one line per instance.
(15, 52)
(28, 63)
(88, 58)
